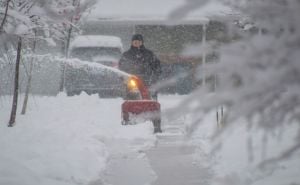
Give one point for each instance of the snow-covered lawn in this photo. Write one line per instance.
(69, 140)
(63, 140)
(236, 156)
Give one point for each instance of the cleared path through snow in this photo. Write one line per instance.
(174, 161)
(170, 161)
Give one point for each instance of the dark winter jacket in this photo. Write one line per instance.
(141, 62)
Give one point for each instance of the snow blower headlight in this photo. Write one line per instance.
(132, 84)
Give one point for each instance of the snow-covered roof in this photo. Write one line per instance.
(154, 11)
(96, 41)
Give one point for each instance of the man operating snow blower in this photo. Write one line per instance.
(142, 63)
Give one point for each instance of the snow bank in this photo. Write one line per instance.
(64, 140)
(239, 157)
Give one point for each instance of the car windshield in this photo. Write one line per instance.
(88, 53)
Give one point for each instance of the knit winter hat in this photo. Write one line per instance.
(137, 37)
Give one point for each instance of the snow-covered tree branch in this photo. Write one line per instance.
(258, 75)
(28, 21)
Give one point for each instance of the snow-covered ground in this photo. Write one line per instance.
(71, 140)
(63, 140)
(237, 155)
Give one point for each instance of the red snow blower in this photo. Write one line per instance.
(139, 105)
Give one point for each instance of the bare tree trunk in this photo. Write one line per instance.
(16, 87)
(28, 87)
(203, 54)
(5, 15)
(67, 45)
(62, 84)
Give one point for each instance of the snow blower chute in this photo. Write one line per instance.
(139, 104)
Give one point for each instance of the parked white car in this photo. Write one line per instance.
(94, 66)
(103, 49)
